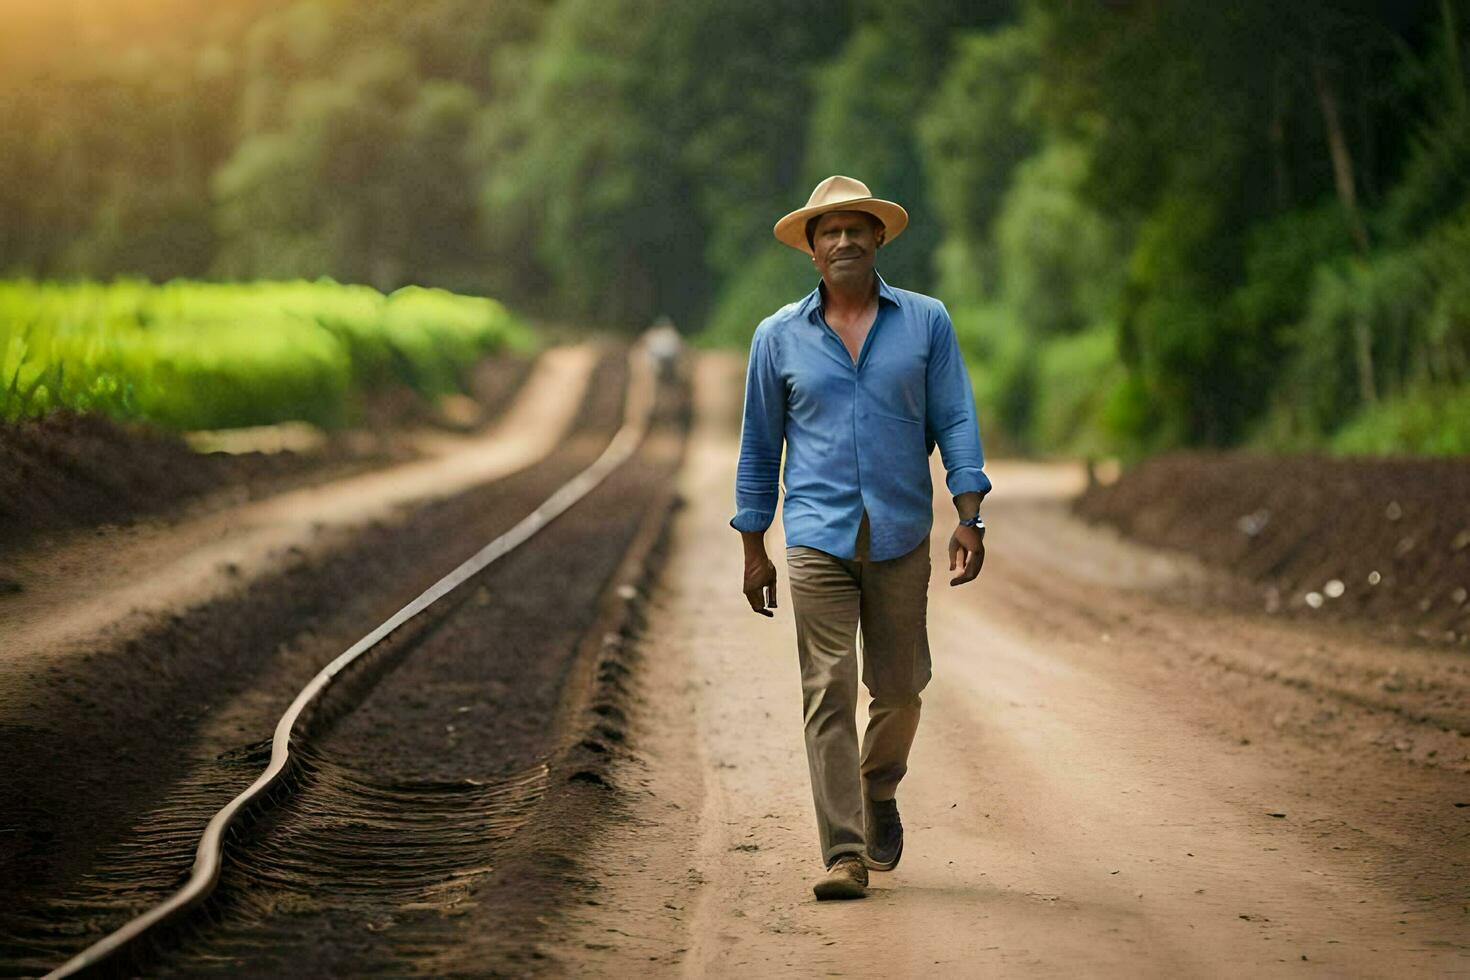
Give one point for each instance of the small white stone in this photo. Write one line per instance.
(1334, 589)
(1314, 599)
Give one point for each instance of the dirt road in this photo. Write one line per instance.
(1113, 777)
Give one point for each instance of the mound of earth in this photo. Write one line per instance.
(1383, 540)
(68, 470)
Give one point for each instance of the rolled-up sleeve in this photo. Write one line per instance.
(762, 429)
(949, 416)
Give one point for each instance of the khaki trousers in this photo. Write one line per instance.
(832, 600)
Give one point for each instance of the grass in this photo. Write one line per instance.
(1426, 421)
(192, 355)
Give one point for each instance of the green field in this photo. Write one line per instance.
(193, 355)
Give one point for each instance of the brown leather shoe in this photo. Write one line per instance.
(885, 835)
(846, 878)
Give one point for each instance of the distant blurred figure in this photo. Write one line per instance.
(664, 346)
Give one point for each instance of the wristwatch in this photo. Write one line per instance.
(976, 522)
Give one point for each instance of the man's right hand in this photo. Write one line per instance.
(760, 574)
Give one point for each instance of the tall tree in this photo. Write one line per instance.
(979, 127)
(1194, 151)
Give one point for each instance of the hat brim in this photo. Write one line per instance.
(791, 230)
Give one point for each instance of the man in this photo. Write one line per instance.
(860, 381)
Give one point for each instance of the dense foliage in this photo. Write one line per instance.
(200, 356)
(1156, 222)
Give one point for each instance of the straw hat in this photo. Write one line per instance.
(838, 193)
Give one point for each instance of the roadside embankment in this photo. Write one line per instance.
(1381, 540)
(70, 470)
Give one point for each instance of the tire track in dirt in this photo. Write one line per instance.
(404, 831)
(132, 720)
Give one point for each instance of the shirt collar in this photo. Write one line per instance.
(811, 307)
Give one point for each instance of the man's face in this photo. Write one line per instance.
(845, 245)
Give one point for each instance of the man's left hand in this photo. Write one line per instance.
(966, 553)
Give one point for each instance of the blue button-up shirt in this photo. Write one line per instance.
(857, 436)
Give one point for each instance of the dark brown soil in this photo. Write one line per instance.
(121, 756)
(1380, 541)
(68, 470)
